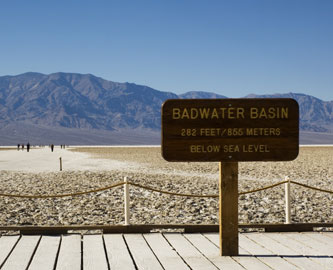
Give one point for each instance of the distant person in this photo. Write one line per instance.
(28, 147)
(18, 147)
(52, 147)
(22, 147)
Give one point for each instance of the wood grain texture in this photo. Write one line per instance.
(212, 252)
(94, 256)
(69, 257)
(167, 256)
(287, 251)
(307, 248)
(244, 259)
(141, 252)
(22, 254)
(283, 250)
(7, 243)
(46, 253)
(192, 256)
(117, 252)
(322, 238)
(263, 254)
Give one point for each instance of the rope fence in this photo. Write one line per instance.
(156, 190)
(127, 183)
(61, 195)
(314, 188)
(173, 193)
(263, 188)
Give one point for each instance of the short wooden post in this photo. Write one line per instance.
(228, 195)
(60, 159)
(287, 200)
(126, 202)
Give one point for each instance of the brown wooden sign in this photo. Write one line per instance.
(230, 129)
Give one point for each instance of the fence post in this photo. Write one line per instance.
(126, 202)
(287, 200)
(60, 159)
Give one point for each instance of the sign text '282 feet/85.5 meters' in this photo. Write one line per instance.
(230, 129)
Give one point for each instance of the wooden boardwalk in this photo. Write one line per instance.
(312, 250)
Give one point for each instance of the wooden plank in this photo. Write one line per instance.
(308, 250)
(192, 256)
(293, 241)
(228, 206)
(328, 234)
(141, 252)
(321, 238)
(289, 240)
(263, 254)
(214, 238)
(288, 227)
(94, 256)
(318, 251)
(245, 258)
(250, 262)
(145, 228)
(22, 254)
(69, 257)
(6, 245)
(167, 256)
(117, 252)
(278, 248)
(46, 253)
(325, 250)
(211, 252)
(326, 238)
(272, 245)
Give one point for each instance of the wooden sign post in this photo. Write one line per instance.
(229, 131)
(228, 206)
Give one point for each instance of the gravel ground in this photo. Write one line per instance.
(146, 166)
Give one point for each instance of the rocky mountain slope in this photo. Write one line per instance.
(79, 101)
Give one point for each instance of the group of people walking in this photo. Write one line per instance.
(22, 146)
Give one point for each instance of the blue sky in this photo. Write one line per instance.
(229, 47)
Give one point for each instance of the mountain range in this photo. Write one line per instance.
(84, 109)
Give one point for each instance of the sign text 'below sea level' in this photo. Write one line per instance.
(230, 129)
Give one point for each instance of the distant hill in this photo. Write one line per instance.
(200, 95)
(85, 109)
